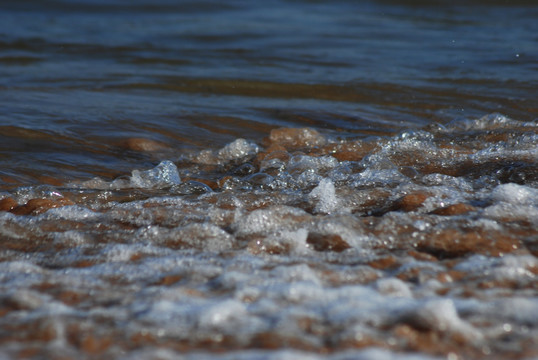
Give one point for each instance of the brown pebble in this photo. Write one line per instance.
(414, 274)
(348, 156)
(142, 338)
(432, 342)
(274, 340)
(83, 263)
(8, 204)
(444, 277)
(70, 298)
(296, 138)
(359, 342)
(136, 256)
(273, 148)
(143, 145)
(92, 344)
(350, 151)
(38, 206)
(45, 332)
(30, 352)
(387, 262)
(453, 243)
(412, 201)
(455, 209)
(282, 155)
(421, 256)
(169, 280)
(330, 242)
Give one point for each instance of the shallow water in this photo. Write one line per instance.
(289, 180)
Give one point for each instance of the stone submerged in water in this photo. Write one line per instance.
(143, 145)
(292, 139)
(34, 206)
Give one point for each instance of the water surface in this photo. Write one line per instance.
(302, 179)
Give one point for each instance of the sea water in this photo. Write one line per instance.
(287, 180)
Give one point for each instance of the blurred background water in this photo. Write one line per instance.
(79, 77)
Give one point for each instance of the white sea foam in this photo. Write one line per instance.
(324, 195)
(303, 250)
(163, 175)
(515, 194)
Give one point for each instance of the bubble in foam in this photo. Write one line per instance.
(274, 164)
(297, 273)
(325, 197)
(260, 179)
(511, 268)
(414, 135)
(206, 236)
(120, 252)
(163, 175)
(23, 267)
(307, 178)
(393, 287)
(23, 299)
(519, 309)
(270, 220)
(237, 149)
(191, 187)
(290, 241)
(26, 193)
(515, 194)
(375, 178)
(72, 237)
(441, 315)
(485, 122)
(300, 163)
(223, 315)
(73, 212)
(447, 180)
(203, 236)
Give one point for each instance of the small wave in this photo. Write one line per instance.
(303, 241)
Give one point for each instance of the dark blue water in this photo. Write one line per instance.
(88, 74)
